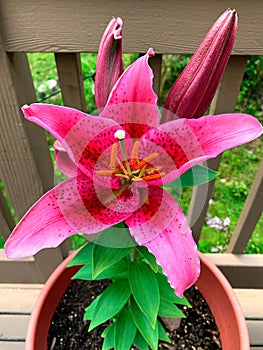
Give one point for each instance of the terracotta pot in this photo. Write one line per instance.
(212, 284)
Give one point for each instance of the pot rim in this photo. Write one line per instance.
(210, 276)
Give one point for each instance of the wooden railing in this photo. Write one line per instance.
(68, 28)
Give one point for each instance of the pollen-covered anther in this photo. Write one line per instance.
(152, 177)
(146, 160)
(105, 172)
(113, 156)
(135, 153)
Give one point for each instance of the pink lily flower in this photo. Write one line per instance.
(117, 163)
(109, 62)
(193, 91)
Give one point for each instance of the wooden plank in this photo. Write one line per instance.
(25, 92)
(168, 26)
(156, 65)
(251, 301)
(19, 271)
(12, 345)
(255, 332)
(71, 80)
(249, 216)
(242, 270)
(7, 221)
(18, 160)
(18, 298)
(223, 102)
(8, 331)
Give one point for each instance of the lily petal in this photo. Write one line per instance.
(63, 160)
(132, 101)
(193, 91)
(158, 209)
(176, 252)
(160, 225)
(109, 62)
(188, 142)
(72, 206)
(72, 128)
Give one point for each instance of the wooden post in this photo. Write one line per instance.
(223, 102)
(71, 80)
(18, 160)
(249, 216)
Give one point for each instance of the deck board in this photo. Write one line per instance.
(17, 301)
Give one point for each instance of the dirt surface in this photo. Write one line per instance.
(68, 331)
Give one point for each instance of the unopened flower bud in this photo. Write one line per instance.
(194, 90)
(109, 62)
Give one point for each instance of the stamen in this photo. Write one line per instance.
(135, 153)
(146, 160)
(153, 177)
(105, 172)
(113, 156)
(125, 158)
(123, 176)
(122, 167)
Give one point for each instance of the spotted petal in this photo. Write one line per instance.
(63, 160)
(161, 226)
(132, 101)
(175, 251)
(189, 142)
(72, 128)
(72, 206)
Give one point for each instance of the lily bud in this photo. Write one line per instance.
(109, 62)
(193, 91)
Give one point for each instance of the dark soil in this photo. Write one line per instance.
(68, 331)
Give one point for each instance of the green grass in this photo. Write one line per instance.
(238, 166)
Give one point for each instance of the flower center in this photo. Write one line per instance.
(131, 169)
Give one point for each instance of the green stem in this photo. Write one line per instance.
(134, 254)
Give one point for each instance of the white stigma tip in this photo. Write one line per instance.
(119, 134)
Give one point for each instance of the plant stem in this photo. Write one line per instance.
(134, 254)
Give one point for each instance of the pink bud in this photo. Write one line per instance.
(109, 62)
(193, 91)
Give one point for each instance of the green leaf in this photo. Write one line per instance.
(117, 236)
(85, 273)
(149, 257)
(162, 333)
(83, 256)
(103, 257)
(119, 269)
(169, 309)
(195, 176)
(145, 289)
(109, 337)
(149, 333)
(167, 292)
(140, 342)
(89, 311)
(111, 301)
(125, 330)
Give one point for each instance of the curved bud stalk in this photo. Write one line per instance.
(109, 63)
(194, 90)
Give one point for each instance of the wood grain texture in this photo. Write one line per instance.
(252, 302)
(223, 102)
(249, 216)
(7, 222)
(71, 80)
(13, 327)
(12, 345)
(168, 26)
(18, 298)
(242, 270)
